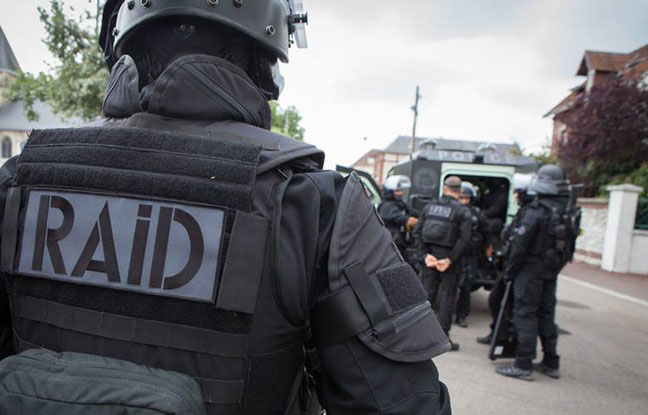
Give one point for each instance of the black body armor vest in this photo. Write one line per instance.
(440, 227)
(557, 239)
(155, 248)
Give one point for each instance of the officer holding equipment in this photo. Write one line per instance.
(523, 198)
(542, 244)
(395, 212)
(443, 235)
(179, 233)
(480, 242)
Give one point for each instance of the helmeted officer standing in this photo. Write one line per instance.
(523, 198)
(180, 233)
(481, 241)
(443, 235)
(395, 213)
(539, 249)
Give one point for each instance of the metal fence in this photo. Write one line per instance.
(641, 222)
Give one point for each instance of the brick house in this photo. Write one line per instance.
(14, 125)
(599, 68)
(378, 162)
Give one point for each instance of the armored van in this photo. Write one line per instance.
(489, 167)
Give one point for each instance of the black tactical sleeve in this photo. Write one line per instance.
(463, 238)
(485, 229)
(496, 204)
(373, 327)
(392, 214)
(6, 332)
(523, 236)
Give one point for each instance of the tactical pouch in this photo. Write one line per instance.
(44, 382)
(436, 232)
(374, 295)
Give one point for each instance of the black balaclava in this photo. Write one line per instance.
(156, 45)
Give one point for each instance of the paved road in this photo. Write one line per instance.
(604, 360)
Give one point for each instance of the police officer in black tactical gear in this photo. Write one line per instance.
(395, 213)
(538, 252)
(480, 242)
(443, 235)
(495, 206)
(180, 233)
(522, 197)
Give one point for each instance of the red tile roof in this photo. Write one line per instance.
(630, 66)
(637, 66)
(602, 61)
(568, 102)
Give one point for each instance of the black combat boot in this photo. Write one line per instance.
(515, 372)
(485, 339)
(551, 372)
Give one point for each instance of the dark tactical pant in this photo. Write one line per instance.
(533, 314)
(441, 286)
(463, 302)
(469, 272)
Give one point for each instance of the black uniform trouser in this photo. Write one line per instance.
(463, 302)
(533, 314)
(441, 286)
(469, 270)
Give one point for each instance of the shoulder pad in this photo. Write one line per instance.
(8, 170)
(278, 149)
(374, 295)
(358, 235)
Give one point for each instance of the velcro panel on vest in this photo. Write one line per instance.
(244, 264)
(142, 162)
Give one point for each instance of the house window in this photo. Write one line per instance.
(6, 147)
(371, 161)
(564, 137)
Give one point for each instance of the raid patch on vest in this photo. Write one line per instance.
(151, 247)
(440, 211)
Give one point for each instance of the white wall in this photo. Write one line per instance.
(619, 235)
(639, 254)
(589, 246)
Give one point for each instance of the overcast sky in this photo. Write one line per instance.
(488, 69)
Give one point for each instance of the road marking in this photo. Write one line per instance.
(605, 291)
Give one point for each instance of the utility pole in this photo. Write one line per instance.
(415, 109)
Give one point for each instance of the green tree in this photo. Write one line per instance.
(542, 157)
(286, 121)
(75, 83)
(607, 136)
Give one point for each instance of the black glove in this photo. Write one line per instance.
(509, 275)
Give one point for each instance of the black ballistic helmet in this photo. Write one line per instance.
(272, 25)
(550, 181)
